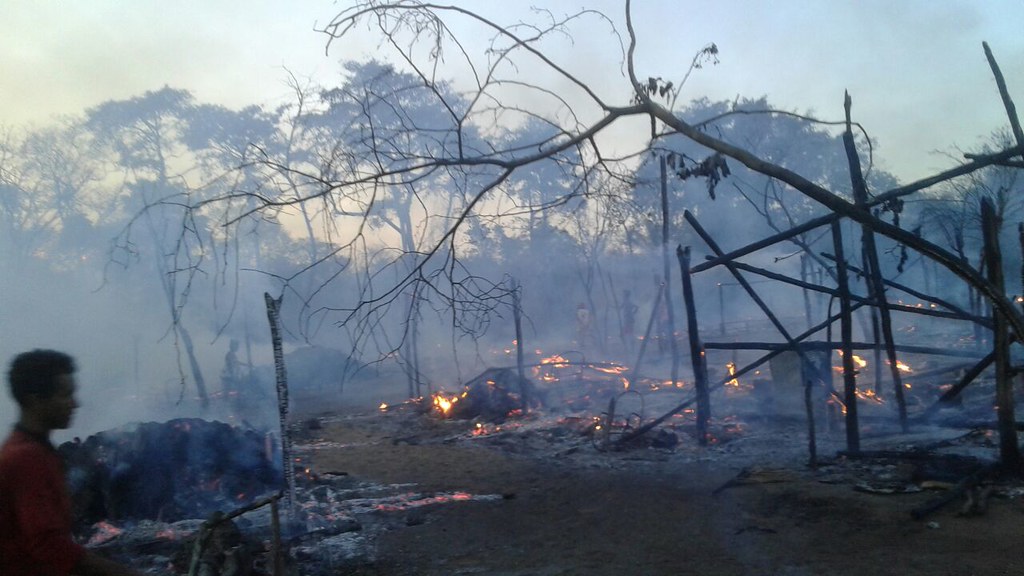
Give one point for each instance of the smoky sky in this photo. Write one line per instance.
(915, 69)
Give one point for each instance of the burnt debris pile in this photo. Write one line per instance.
(183, 468)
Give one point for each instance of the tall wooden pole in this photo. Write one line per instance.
(288, 463)
(697, 357)
(876, 287)
(667, 272)
(1009, 449)
(846, 330)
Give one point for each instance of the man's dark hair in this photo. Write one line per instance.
(36, 373)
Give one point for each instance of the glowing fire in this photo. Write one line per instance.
(557, 361)
(444, 402)
(869, 395)
(105, 532)
(732, 372)
(903, 367)
(858, 362)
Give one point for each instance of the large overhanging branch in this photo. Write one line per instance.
(846, 209)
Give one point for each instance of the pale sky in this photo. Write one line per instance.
(915, 69)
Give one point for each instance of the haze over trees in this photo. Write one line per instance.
(398, 211)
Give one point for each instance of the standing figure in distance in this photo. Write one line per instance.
(582, 327)
(629, 310)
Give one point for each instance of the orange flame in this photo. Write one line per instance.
(443, 403)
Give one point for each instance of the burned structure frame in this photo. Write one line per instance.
(1005, 321)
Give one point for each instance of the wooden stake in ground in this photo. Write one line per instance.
(288, 464)
(876, 288)
(517, 316)
(697, 358)
(1009, 450)
(667, 273)
(846, 328)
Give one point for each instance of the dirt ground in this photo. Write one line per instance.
(748, 505)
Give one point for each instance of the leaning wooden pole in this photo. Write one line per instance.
(697, 357)
(874, 276)
(1004, 93)
(1009, 449)
(953, 392)
(742, 281)
(846, 330)
(740, 372)
(288, 463)
(650, 327)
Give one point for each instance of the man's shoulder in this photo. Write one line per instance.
(19, 449)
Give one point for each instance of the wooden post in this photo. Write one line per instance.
(804, 266)
(1020, 240)
(874, 277)
(1009, 450)
(846, 329)
(697, 358)
(287, 462)
(812, 438)
(667, 273)
(276, 553)
(517, 316)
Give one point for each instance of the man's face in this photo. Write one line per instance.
(57, 410)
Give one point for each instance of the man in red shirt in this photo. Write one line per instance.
(35, 509)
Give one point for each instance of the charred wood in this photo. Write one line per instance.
(957, 492)
(697, 358)
(1009, 449)
(281, 376)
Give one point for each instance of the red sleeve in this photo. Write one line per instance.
(42, 509)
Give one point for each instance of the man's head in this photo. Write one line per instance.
(42, 383)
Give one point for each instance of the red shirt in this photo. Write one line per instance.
(35, 510)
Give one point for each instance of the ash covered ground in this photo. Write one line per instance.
(405, 491)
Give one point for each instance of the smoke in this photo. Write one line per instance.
(127, 368)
